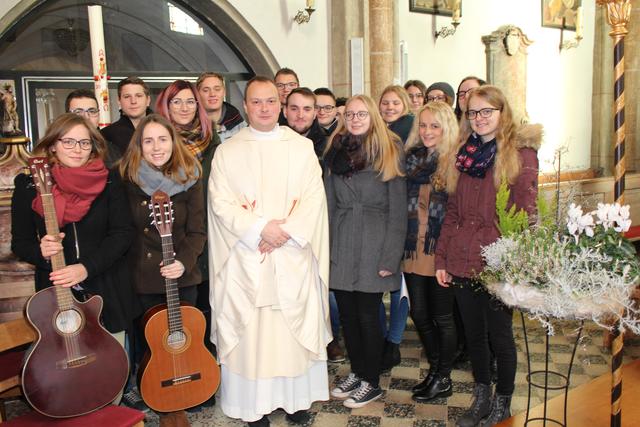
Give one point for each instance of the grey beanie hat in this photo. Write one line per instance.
(444, 87)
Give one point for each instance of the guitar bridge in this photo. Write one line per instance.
(181, 380)
(76, 362)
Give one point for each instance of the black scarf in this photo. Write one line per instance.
(346, 155)
(421, 165)
(475, 157)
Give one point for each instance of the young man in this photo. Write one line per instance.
(269, 265)
(300, 113)
(226, 117)
(134, 100)
(286, 80)
(326, 107)
(83, 102)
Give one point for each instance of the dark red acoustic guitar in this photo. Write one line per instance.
(75, 366)
(178, 372)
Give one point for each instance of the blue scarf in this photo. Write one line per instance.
(475, 157)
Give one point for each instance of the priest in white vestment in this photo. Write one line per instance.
(269, 266)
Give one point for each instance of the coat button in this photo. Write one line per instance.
(149, 255)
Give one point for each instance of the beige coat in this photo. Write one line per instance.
(252, 181)
(422, 263)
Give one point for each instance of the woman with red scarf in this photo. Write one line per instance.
(93, 216)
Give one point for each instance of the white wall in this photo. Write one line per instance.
(559, 85)
(301, 47)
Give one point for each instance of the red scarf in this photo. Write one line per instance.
(74, 190)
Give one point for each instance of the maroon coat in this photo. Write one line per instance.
(471, 219)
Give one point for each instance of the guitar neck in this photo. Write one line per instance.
(171, 286)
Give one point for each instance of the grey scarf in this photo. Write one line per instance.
(152, 179)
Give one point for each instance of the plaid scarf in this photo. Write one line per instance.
(193, 138)
(421, 165)
(475, 157)
(346, 155)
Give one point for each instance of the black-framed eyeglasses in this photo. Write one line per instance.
(436, 98)
(81, 111)
(70, 143)
(290, 85)
(484, 113)
(361, 115)
(326, 108)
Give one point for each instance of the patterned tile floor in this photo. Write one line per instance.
(396, 409)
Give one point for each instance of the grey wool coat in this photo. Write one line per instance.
(368, 226)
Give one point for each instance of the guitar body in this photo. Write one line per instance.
(178, 372)
(75, 366)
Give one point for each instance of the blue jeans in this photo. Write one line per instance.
(334, 316)
(398, 312)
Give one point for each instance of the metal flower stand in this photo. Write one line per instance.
(548, 380)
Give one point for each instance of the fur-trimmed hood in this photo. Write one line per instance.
(529, 136)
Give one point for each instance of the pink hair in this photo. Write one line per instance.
(169, 92)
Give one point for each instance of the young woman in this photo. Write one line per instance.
(417, 92)
(156, 160)
(93, 216)
(440, 91)
(465, 86)
(395, 109)
(366, 195)
(491, 149)
(434, 136)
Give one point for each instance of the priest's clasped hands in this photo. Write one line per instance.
(272, 236)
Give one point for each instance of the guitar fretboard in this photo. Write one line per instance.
(171, 286)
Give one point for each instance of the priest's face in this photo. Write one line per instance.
(262, 106)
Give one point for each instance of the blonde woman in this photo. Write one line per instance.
(395, 108)
(366, 195)
(434, 135)
(490, 149)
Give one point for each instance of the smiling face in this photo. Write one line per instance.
(325, 102)
(429, 129)
(356, 125)
(133, 101)
(485, 127)
(391, 107)
(73, 157)
(416, 96)
(262, 106)
(300, 112)
(212, 93)
(157, 145)
(285, 84)
(183, 107)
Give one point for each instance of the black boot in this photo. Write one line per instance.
(430, 345)
(262, 422)
(391, 356)
(299, 417)
(433, 369)
(439, 387)
(500, 410)
(480, 407)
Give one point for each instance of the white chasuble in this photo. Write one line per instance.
(270, 314)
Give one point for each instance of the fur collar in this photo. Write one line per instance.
(529, 136)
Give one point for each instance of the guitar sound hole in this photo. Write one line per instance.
(68, 321)
(176, 340)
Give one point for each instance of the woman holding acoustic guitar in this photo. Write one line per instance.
(93, 217)
(156, 160)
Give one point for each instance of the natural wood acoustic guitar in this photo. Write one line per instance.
(178, 371)
(75, 365)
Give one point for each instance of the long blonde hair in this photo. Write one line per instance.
(382, 146)
(507, 164)
(444, 115)
(181, 167)
(402, 94)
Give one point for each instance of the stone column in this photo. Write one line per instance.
(381, 44)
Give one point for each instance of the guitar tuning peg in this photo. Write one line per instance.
(151, 215)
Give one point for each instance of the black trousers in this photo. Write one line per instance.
(487, 320)
(431, 310)
(359, 316)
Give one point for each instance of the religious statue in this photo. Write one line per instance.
(8, 113)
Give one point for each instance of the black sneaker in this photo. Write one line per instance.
(346, 386)
(363, 395)
(299, 417)
(132, 399)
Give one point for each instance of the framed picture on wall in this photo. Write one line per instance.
(434, 7)
(560, 13)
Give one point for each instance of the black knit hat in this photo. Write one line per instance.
(444, 87)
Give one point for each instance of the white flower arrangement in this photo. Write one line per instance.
(584, 271)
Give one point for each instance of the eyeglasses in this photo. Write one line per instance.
(416, 96)
(326, 108)
(178, 103)
(361, 115)
(90, 111)
(290, 85)
(484, 113)
(70, 143)
(463, 93)
(436, 98)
